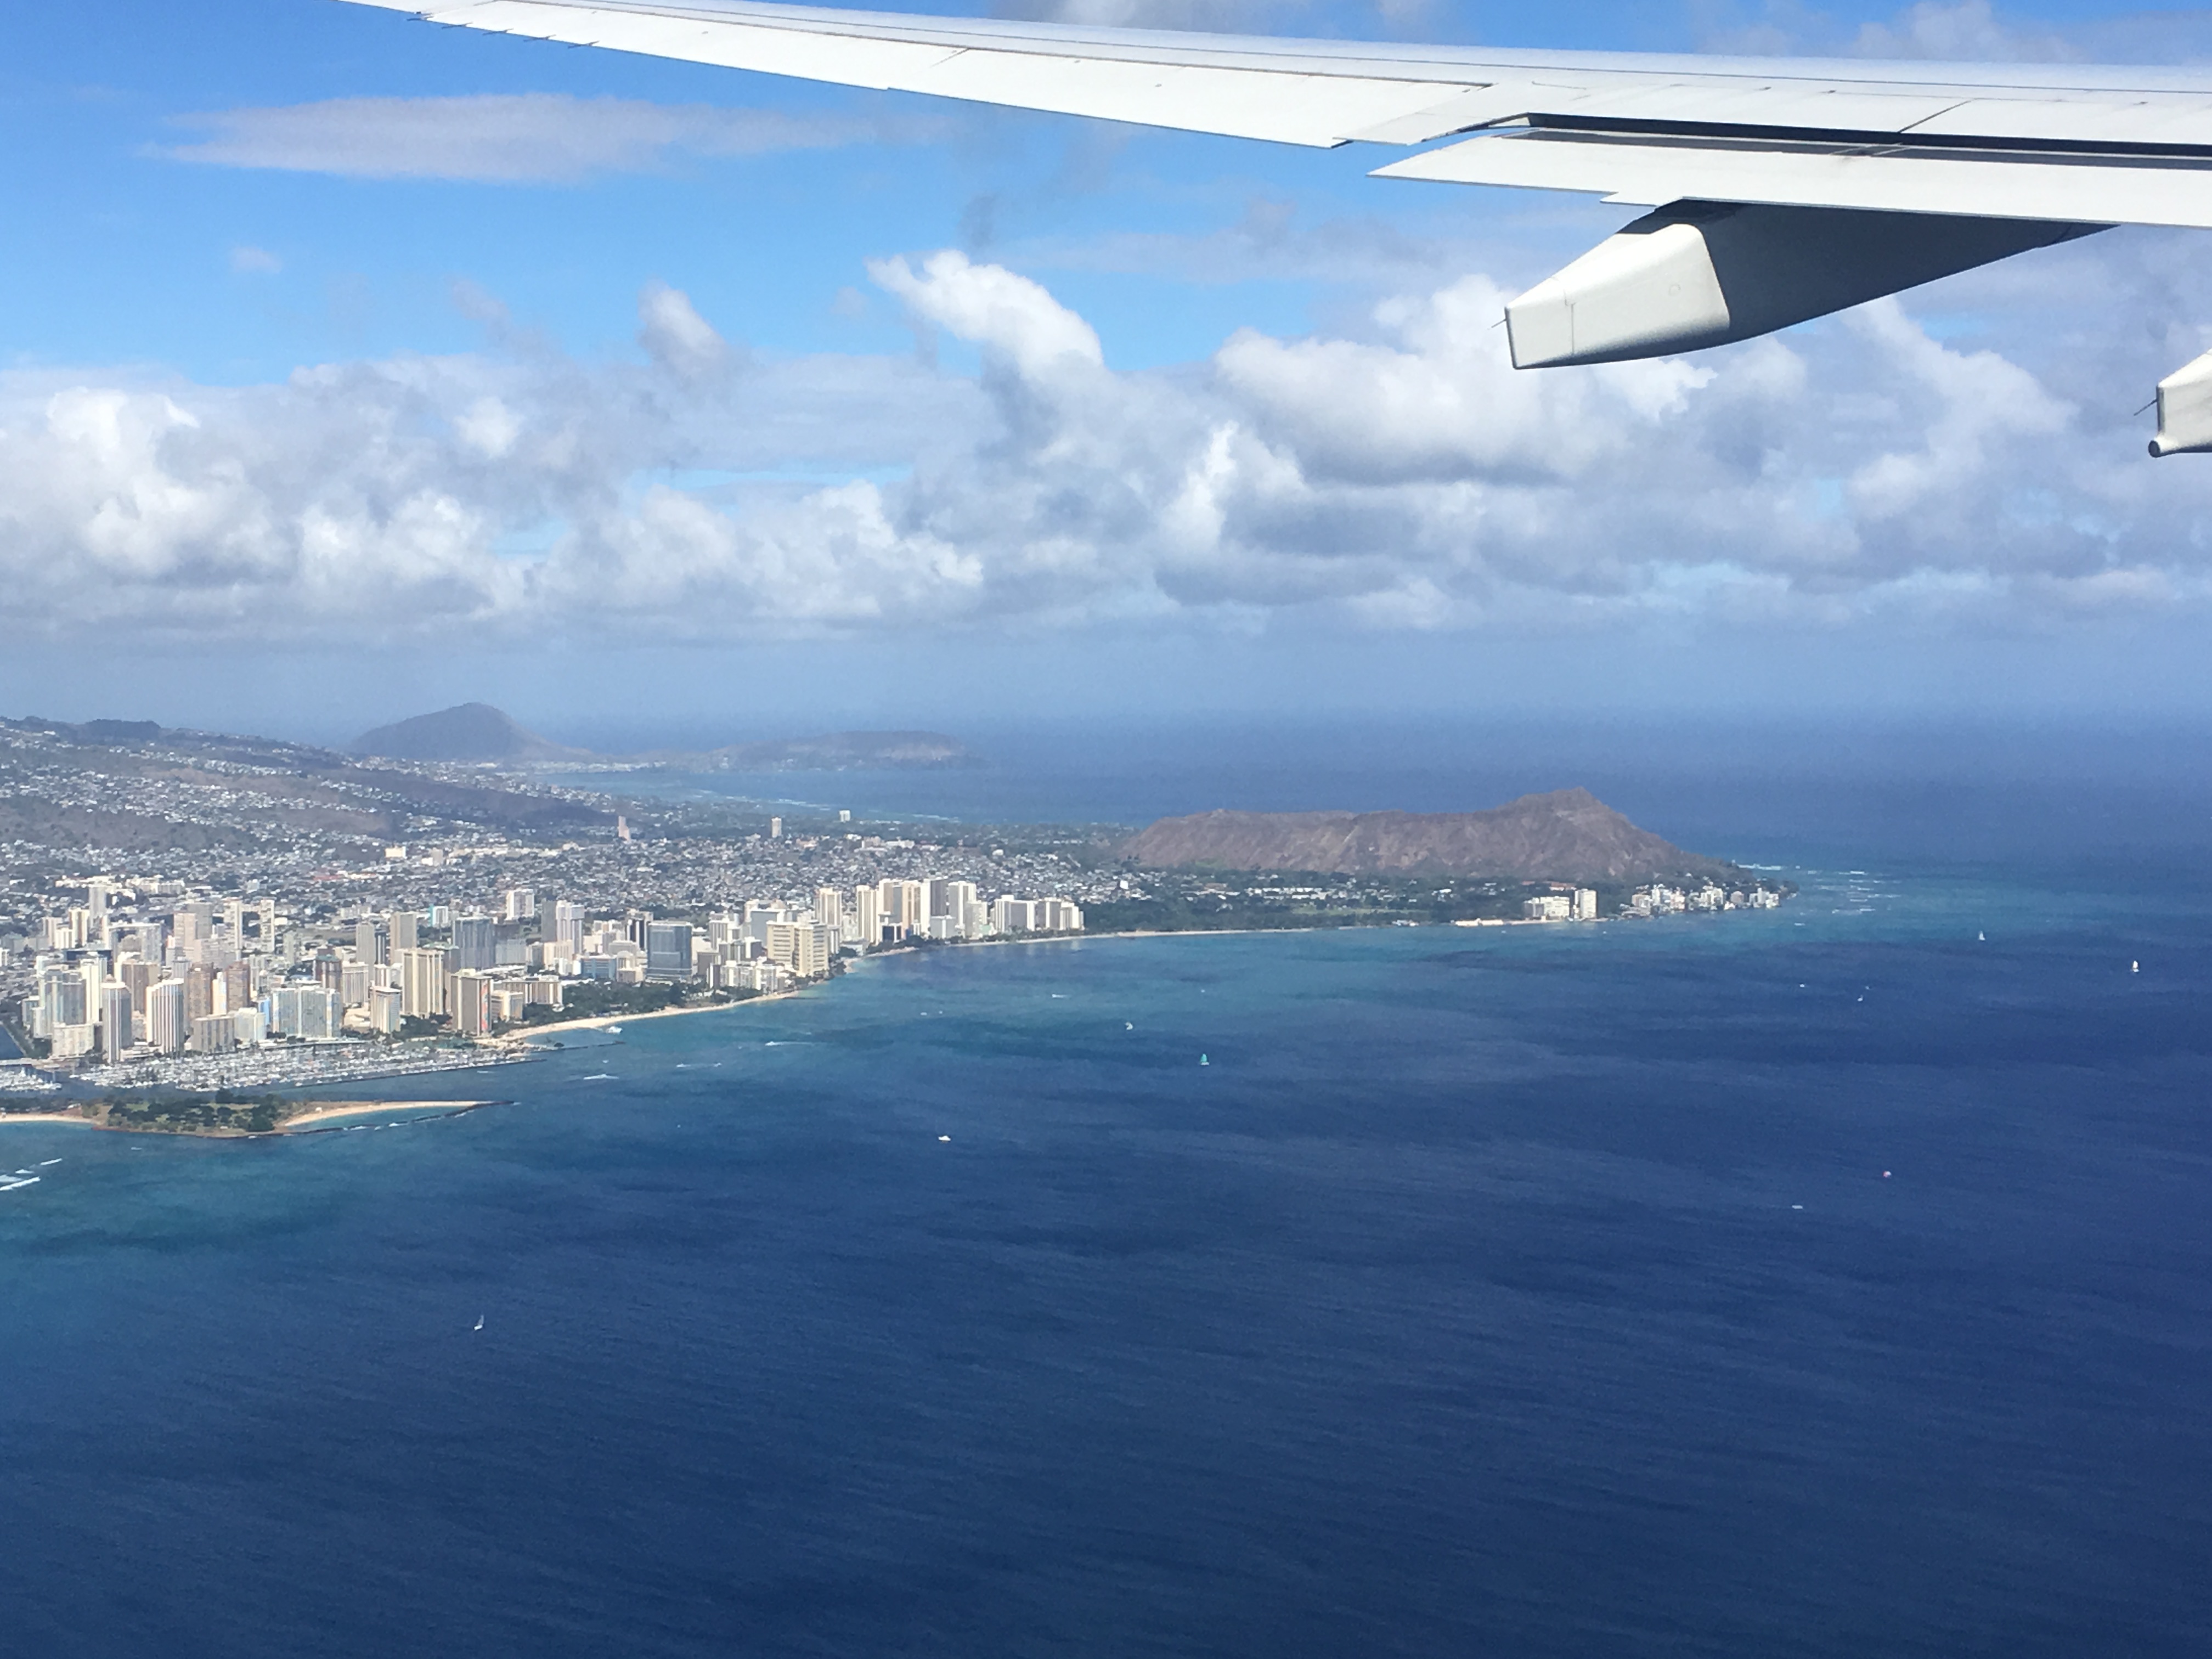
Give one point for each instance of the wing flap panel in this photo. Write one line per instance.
(1653, 174)
(2096, 118)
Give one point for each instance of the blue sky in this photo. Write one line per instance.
(569, 379)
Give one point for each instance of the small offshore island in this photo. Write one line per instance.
(199, 931)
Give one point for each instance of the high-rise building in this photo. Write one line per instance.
(422, 982)
(214, 1034)
(775, 829)
(406, 931)
(668, 950)
(115, 1033)
(1013, 915)
(802, 947)
(72, 1042)
(476, 938)
(138, 975)
(307, 1012)
(948, 902)
(1585, 904)
(354, 984)
(370, 947)
(867, 917)
(61, 993)
(829, 906)
(166, 1028)
(521, 904)
(385, 1010)
(234, 988)
(568, 926)
(471, 1002)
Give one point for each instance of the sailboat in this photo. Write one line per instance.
(480, 1325)
(1203, 1060)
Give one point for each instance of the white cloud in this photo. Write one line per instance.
(675, 335)
(993, 308)
(255, 261)
(515, 139)
(1966, 29)
(1395, 475)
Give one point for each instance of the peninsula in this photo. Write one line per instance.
(1568, 834)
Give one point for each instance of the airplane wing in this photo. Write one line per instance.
(1782, 188)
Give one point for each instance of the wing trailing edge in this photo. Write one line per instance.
(1783, 189)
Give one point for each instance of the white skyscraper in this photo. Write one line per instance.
(115, 1034)
(166, 1026)
(568, 926)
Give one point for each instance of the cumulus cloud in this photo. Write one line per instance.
(994, 307)
(511, 138)
(1397, 475)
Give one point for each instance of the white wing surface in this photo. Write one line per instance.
(1898, 173)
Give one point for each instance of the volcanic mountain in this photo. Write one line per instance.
(1568, 834)
(471, 733)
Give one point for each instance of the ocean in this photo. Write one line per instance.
(1826, 1282)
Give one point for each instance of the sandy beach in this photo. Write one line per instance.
(523, 1034)
(338, 1109)
(46, 1117)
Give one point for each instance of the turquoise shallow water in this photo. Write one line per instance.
(1464, 1300)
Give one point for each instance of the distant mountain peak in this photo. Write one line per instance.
(468, 734)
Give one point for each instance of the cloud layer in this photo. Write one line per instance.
(513, 138)
(1398, 476)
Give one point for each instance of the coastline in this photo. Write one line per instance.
(337, 1111)
(522, 1035)
(518, 1043)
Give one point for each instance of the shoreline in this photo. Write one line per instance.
(518, 1043)
(521, 1035)
(336, 1110)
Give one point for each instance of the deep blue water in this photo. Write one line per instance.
(1461, 1303)
(1956, 793)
